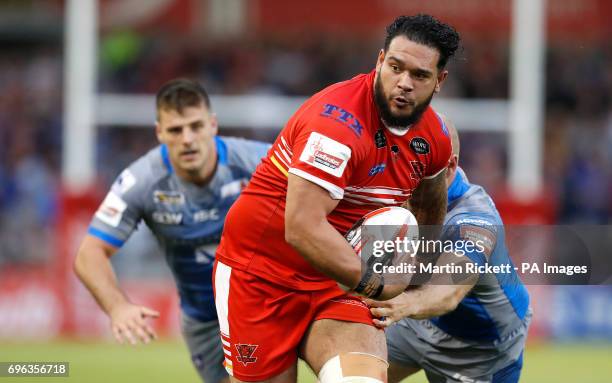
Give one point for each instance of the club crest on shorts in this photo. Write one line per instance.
(245, 353)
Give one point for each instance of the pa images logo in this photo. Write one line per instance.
(245, 353)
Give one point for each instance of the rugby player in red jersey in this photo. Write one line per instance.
(357, 145)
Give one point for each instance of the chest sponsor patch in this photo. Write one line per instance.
(342, 116)
(379, 139)
(483, 238)
(206, 215)
(376, 169)
(111, 210)
(233, 188)
(419, 145)
(167, 218)
(326, 154)
(169, 197)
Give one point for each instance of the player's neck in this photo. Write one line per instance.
(397, 131)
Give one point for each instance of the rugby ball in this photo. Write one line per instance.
(387, 223)
(373, 235)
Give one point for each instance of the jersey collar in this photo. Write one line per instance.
(221, 150)
(166, 158)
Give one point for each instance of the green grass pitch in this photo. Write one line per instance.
(167, 360)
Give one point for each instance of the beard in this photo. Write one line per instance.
(393, 120)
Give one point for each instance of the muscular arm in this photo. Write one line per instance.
(429, 200)
(424, 302)
(434, 300)
(443, 291)
(309, 232)
(93, 267)
(437, 297)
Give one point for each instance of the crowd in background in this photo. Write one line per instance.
(578, 124)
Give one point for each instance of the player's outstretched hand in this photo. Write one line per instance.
(129, 323)
(389, 312)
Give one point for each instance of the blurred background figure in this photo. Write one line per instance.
(259, 59)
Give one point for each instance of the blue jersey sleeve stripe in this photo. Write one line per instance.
(105, 237)
(165, 158)
(221, 150)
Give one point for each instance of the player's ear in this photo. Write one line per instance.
(214, 123)
(451, 169)
(158, 131)
(440, 80)
(380, 59)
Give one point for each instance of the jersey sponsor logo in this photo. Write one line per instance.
(419, 145)
(245, 353)
(326, 154)
(111, 210)
(377, 169)
(327, 159)
(233, 188)
(169, 197)
(474, 221)
(379, 139)
(342, 116)
(206, 215)
(167, 218)
(479, 235)
(125, 181)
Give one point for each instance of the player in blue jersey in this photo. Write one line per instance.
(462, 327)
(182, 190)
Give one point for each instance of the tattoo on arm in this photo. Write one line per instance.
(429, 200)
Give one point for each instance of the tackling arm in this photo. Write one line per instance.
(421, 303)
(439, 296)
(443, 291)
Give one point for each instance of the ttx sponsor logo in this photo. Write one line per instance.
(343, 116)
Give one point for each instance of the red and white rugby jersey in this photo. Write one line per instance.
(337, 141)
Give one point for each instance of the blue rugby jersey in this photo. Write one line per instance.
(186, 219)
(498, 304)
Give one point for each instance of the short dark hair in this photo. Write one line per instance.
(426, 30)
(181, 93)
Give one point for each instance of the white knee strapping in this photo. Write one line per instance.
(331, 372)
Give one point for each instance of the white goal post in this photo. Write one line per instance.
(521, 118)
